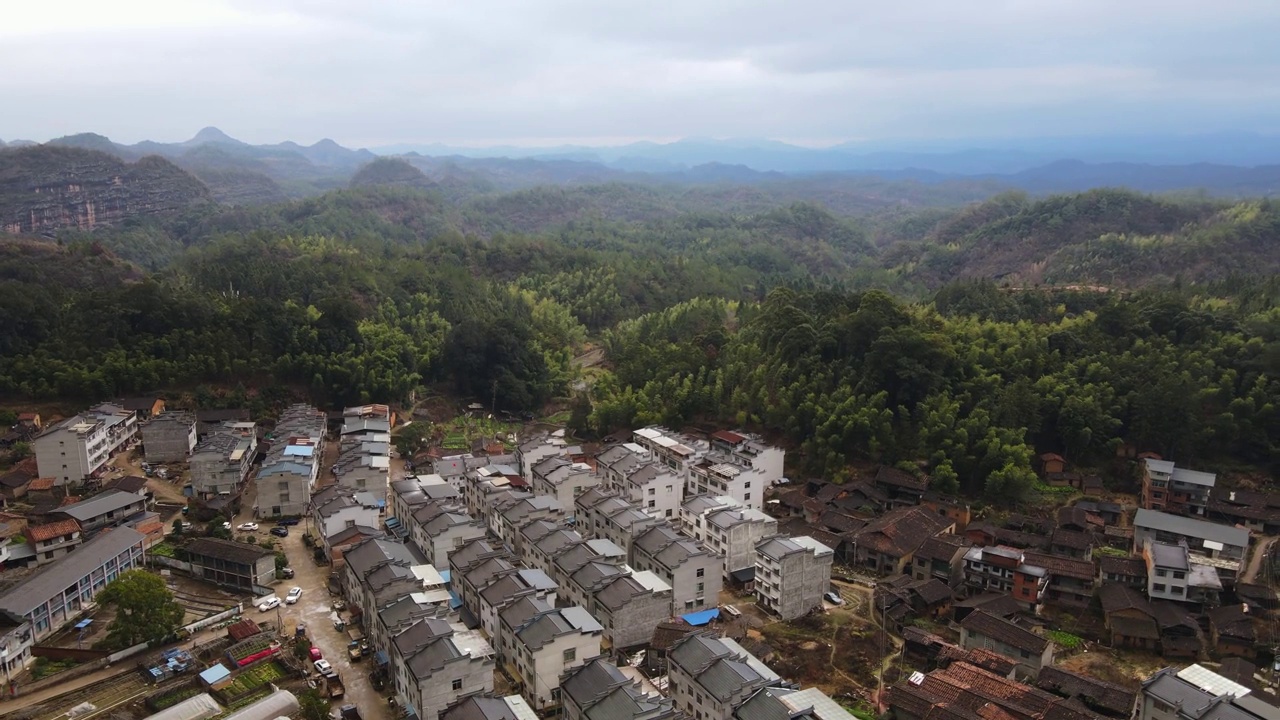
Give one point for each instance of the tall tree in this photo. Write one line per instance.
(146, 610)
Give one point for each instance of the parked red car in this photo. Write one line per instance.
(315, 653)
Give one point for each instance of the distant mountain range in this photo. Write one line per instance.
(960, 157)
(733, 175)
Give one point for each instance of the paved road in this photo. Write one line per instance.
(314, 609)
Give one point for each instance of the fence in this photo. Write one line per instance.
(61, 653)
(82, 669)
(231, 612)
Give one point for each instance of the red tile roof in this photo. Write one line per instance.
(38, 484)
(728, 436)
(52, 530)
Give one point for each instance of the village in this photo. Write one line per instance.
(509, 571)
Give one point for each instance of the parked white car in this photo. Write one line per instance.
(294, 595)
(323, 667)
(248, 527)
(269, 604)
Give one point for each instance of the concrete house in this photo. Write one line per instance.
(232, 564)
(629, 606)
(711, 677)
(406, 496)
(602, 513)
(1129, 617)
(599, 690)
(379, 571)
(542, 552)
(364, 462)
(169, 437)
(980, 630)
(1195, 691)
(435, 664)
(506, 588)
(468, 583)
(694, 573)
(807, 704)
(59, 592)
(549, 645)
(487, 707)
(53, 540)
(399, 615)
(1168, 488)
(522, 511)
(220, 462)
(563, 479)
(1173, 574)
(1220, 546)
(439, 528)
(73, 450)
(791, 575)
(15, 643)
(289, 472)
(653, 488)
(536, 449)
(337, 507)
(734, 534)
(107, 509)
(121, 425)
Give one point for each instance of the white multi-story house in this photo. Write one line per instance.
(563, 479)
(548, 645)
(729, 529)
(694, 573)
(435, 663)
(438, 528)
(792, 574)
(709, 677)
(536, 449)
(73, 450)
(337, 508)
(120, 424)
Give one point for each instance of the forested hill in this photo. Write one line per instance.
(47, 188)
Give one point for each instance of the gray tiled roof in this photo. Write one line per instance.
(587, 684)
(100, 505)
(371, 553)
(479, 707)
(421, 634)
(69, 570)
(1179, 525)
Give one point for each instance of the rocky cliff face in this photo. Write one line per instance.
(45, 188)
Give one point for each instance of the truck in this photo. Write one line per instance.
(333, 684)
(358, 644)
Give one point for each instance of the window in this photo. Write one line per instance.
(746, 485)
(457, 684)
(668, 489)
(1179, 575)
(570, 655)
(699, 588)
(1162, 573)
(653, 503)
(701, 572)
(1026, 654)
(1176, 589)
(1158, 587)
(653, 491)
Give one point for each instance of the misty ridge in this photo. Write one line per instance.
(1223, 165)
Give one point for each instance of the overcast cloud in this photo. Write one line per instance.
(375, 72)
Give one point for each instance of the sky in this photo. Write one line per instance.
(593, 72)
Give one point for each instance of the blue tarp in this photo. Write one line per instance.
(381, 658)
(701, 618)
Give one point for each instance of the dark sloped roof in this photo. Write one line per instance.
(1063, 566)
(1093, 692)
(894, 477)
(1004, 631)
(1233, 621)
(1144, 628)
(1131, 566)
(227, 550)
(1116, 597)
(899, 532)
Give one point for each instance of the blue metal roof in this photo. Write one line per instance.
(215, 674)
(701, 618)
